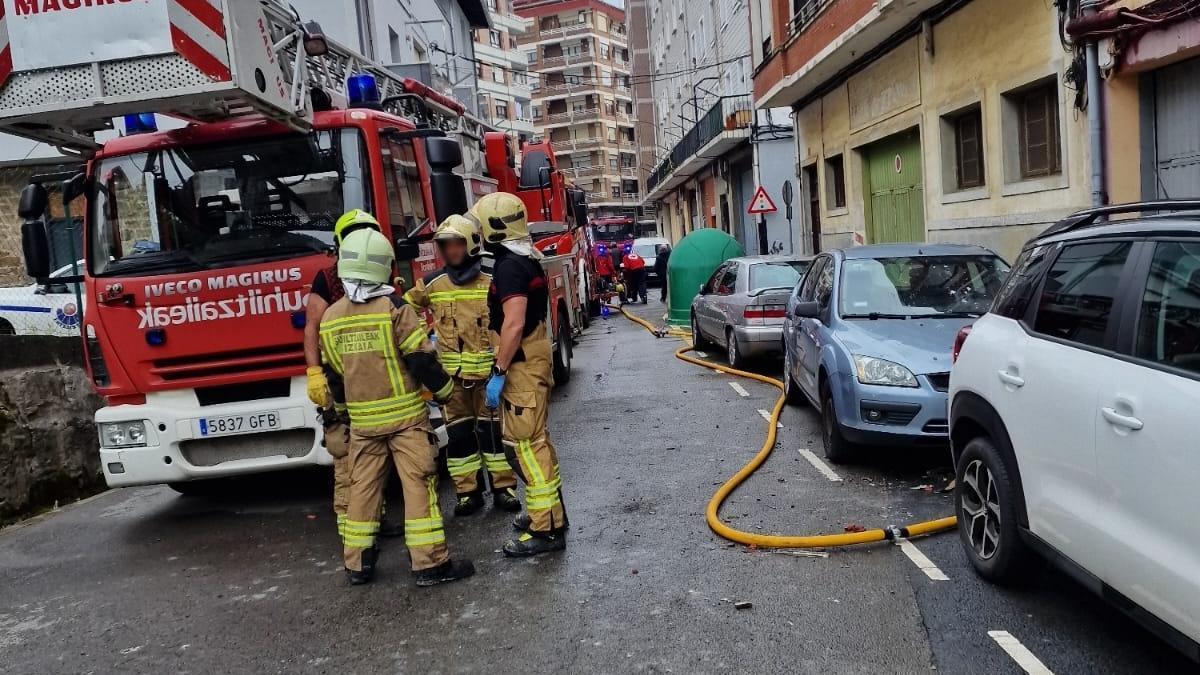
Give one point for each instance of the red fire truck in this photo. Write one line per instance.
(200, 242)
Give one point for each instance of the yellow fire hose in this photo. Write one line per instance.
(712, 512)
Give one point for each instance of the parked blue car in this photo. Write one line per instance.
(868, 337)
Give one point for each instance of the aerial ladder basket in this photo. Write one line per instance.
(198, 60)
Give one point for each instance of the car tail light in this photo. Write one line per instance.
(959, 341)
(761, 312)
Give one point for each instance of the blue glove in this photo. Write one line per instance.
(494, 387)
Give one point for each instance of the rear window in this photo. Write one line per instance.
(776, 275)
(646, 250)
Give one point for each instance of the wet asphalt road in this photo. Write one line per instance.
(142, 580)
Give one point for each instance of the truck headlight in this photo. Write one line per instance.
(123, 434)
(882, 372)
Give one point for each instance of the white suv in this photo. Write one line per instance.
(1071, 409)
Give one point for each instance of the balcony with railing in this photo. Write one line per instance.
(822, 38)
(725, 126)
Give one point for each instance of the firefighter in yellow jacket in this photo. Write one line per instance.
(377, 344)
(457, 297)
(521, 379)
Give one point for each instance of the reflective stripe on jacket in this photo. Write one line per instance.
(366, 344)
(460, 315)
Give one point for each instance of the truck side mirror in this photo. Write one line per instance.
(33, 202)
(75, 186)
(448, 190)
(407, 249)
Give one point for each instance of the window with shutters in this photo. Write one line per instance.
(1041, 152)
(968, 149)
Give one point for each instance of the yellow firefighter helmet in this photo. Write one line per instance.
(501, 217)
(461, 227)
(352, 220)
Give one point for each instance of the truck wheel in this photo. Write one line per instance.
(562, 352)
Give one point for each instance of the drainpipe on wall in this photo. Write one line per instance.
(1095, 114)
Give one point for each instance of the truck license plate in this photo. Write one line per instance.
(237, 424)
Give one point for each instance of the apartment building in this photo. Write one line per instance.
(926, 120)
(712, 149)
(503, 72)
(578, 56)
(429, 40)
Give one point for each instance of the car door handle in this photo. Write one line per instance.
(1117, 419)
(1010, 379)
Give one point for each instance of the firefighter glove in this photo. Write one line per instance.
(318, 387)
(494, 387)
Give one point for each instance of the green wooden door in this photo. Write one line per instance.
(896, 203)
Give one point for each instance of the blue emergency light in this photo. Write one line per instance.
(362, 91)
(140, 123)
(156, 337)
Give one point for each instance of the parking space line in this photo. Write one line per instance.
(921, 560)
(820, 465)
(1019, 653)
(740, 390)
(767, 416)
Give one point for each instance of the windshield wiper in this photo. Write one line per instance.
(949, 315)
(874, 316)
(178, 260)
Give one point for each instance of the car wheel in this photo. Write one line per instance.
(837, 449)
(791, 391)
(698, 340)
(985, 502)
(6, 328)
(734, 352)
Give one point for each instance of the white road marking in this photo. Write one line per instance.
(1019, 653)
(718, 371)
(767, 416)
(820, 465)
(922, 561)
(740, 390)
(702, 355)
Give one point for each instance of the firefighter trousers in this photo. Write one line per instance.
(473, 439)
(524, 413)
(414, 452)
(337, 443)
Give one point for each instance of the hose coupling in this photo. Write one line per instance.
(894, 533)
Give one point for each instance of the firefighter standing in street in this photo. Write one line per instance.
(379, 347)
(326, 290)
(457, 296)
(521, 379)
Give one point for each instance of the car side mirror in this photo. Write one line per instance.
(807, 310)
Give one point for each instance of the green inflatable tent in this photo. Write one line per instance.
(692, 262)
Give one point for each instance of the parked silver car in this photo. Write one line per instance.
(742, 305)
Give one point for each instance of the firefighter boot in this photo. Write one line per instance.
(370, 556)
(506, 499)
(451, 570)
(531, 544)
(468, 503)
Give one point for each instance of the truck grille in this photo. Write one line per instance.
(290, 443)
(242, 361)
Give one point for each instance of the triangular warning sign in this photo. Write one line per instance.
(761, 203)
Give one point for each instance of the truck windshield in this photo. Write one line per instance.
(188, 208)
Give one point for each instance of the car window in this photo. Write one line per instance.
(1013, 299)
(775, 274)
(710, 286)
(1169, 317)
(809, 286)
(729, 282)
(824, 287)
(921, 286)
(1078, 295)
